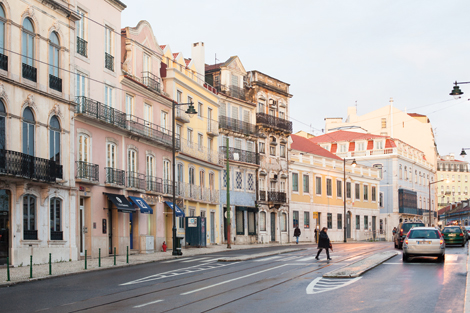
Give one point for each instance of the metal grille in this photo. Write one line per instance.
(100, 111)
(87, 171)
(136, 180)
(30, 234)
(115, 176)
(237, 125)
(55, 83)
(154, 184)
(240, 155)
(3, 62)
(151, 81)
(109, 61)
(29, 72)
(82, 47)
(56, 235)
(273, 121)
(275, 196)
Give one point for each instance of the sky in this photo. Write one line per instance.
(335, 54)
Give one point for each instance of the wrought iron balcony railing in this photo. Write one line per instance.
(240, 155)
(100, 111)
(262, 195)
(109, 61)
(151, 81)
(232, 91)
(30, 234)
(26, 166)
(168, 187)
(198, 193)
(201, 152)
(115, 176)
(154, 184)
(182, 116)
(82, 47)
(56, 235)
(3, 62)
(273, 121)
(237, 125)
(55, 83)
(151, 131)
(212, 127)
(30, 72)
(87, 171)
(136, 180)
(276, 196)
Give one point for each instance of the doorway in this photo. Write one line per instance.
(131, 231)
(349, 224)
(273, 226)
(212, 227)
(110, 228)
(4, 226)
(82, 226)
(373, 226)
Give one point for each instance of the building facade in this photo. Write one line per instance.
(453, 176)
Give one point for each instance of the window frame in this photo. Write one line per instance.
(306, 183)
(318, 187)
(55, 222)
(306, 219)
(329, 220)
(295, 182)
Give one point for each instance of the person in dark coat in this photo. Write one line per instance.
(324, 243)
(297, 234)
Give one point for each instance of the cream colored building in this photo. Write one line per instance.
(454, 176)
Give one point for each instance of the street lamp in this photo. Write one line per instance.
(191, 112)
(456, 92)
(463, 153)
(430, 183)
(353, 164)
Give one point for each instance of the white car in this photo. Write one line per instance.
(424, 241)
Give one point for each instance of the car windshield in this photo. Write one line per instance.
(451, 230)
(467, 227)
(424, 234)
(406, 227)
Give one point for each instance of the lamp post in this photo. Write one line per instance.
(456, 92)
(190, 111)
(429, 185)
(463, 153)
(344, 194)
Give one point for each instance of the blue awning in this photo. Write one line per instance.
(143, 206)
(178, 211)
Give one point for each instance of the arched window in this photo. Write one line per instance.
(262, 221)
(191, 176)
(54, 48)
(56, 225)
(2, 126)
(28, 132)
(29, 218)
(54, 139)
(28, 42)
(2, 31)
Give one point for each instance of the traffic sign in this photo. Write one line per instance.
(315, 215)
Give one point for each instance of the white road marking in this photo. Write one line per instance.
(356, 257)
(210, 260)
(145, 304)
(318, 285)
(230, 280)
(452, 257)
(194, 260)
(306, 259)
(268, 259)
(175, 260)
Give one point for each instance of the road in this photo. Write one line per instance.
(279, 283)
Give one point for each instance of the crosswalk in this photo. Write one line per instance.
(190, 260)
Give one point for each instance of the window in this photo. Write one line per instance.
(306, 183)
(366, 222)
(132, 161)
(318, 185)
(272, 150)
(295, 219)
(238, 180)
(28, 132)
(400, 172)
(146, 66)
(348, 190)
(358, 191)
(339, 221)
(261, 107)
(251, 223)
(343, 148)
(366, 192)
(199, 109)
(251, 182)
(192, 212)
(240, 222)
(282, 151)
(81, 34)
(54, 48)
(339, 188)
(224, 176)
(358, 222)
(108, 96)
(54, 139)
(189, 135)
(81, 90)
(384, 123)
(360, 146)
(374, 193)
(379, 145)
(83, 148)
(150, 172)
(282, 115)
(283, 222)
(111, 155)
(329, 187)
(261, 147)
(238, 144)
(108, 49)
(55, 223)
(306, 220)
(2, 29)
(200, 139)
(191, 176)
(295, 182)
(262, 221)
(179, 95)
(129, 106)
(148, 116)
(406, 173)
(211, 181)
(28, 43)
(329, 220)
(29, 218)
(202, 181)
(381, 199)
(283, 185)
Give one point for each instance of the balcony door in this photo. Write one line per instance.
(81, 218)
(273, 226)
(2, 127)
(28, 132)
(4, 226)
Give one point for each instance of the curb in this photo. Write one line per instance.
(387, 256)
(257, 256)
(466, 304)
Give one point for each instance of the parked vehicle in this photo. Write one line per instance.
(454, 235)
(467, 228)
(424, 241)
(402, 231)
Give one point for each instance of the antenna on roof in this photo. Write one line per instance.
(215, 59)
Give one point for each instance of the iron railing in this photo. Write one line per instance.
(109, 61)
(3, 62)
(56, 235)
(182, 116)
(151, 131)
(100, 111)
(273, 121)
(30, 72)
(115, 176)
(276, 196)
(27, 166)
(82, 47)
(136, 180)
(151, 81)
(262, 195)
(168, 187)
(213, 127)
(55, 83)
(240, 155)
(201, 152)
(30, 234)
(154, 184)
(198, 193)
(87, 171)
(232, 91)
(237, 125)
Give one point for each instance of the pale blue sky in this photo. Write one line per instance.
(334, 53)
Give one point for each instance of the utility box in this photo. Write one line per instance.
(195, 228)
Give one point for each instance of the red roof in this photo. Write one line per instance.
(213, 66)
(390, 144)
(187, 61)
(175, 55)
(162, 47)
(342, 135)
(305, 145)
(416, 115)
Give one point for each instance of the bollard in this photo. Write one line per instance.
(50, 265)
(31, 267)
(127, 256)
(8, 269)
(85, 259)
(99, 257)
(114, 255)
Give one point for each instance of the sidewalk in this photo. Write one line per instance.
(41, 271)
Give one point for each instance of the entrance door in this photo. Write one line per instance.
(273, 226)
(110, 228)
(349, 225)
(82, 226)
(212, 227)
(4, 226)
(373, 225)
(131, 231)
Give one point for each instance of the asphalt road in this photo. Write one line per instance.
(281, 283)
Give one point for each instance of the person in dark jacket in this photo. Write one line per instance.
(324, 243)
(297, 234)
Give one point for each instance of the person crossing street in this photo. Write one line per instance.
(324, 243)
(297, 234)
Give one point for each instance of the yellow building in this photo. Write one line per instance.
(454, 183)
(197, 164)
(317, 185)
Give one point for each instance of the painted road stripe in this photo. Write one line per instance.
(230, 280)
(175, 260)
(306, 259)
(268, 259)
(210, 260)
(148, 303)
(194, 260)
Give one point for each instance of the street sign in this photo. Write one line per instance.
(315, 215)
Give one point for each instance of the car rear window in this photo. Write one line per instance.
(450, 230)
(406, 227)
(424, 234)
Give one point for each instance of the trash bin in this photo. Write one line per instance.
(178, 245)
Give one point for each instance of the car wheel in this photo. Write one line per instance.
(395, 244)
(463, 244)
(405, 258)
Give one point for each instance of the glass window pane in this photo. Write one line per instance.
(251, 222)
(262, 221)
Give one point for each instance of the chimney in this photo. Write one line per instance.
(198, 57)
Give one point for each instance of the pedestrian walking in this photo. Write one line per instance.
(297, 234)
(324, 243)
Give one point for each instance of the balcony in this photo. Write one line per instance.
(212, 127)
(240, 155)
(136, 180)
(151, 81)
(30, 72)
(274, 122)
(201, 152)
(109, 61)
(168, 188)
(181, 116)
(56, 235)
(262, 195)
(238, 126)
(151, 131)
(198, 193)
(99, 111)
(55, 83)
(115, 176)
(30, 235)
(275, 196)
(82, 47)
(3, 62)
(232, 91)
(154, 184)
(26, 166)
(87, 171)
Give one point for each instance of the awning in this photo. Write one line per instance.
(121, 203)
(178, 211)
(143, 206)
